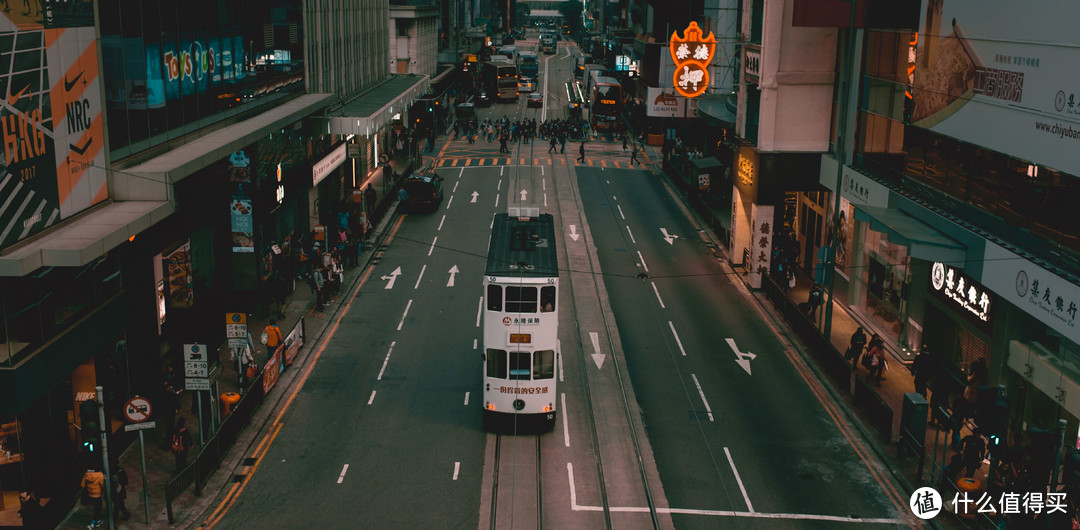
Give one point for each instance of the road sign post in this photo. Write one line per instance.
(138, 411)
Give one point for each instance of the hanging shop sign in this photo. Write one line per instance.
(241, 200)
(958, 291)
(692, 54)
(752, 64)
(1050, 298)
(329, 163)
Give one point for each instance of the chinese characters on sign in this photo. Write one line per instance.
(960, 290)
(926, 503)
(1046, 298)
(692, 54)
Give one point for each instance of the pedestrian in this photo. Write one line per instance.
(248, 369)
(562, 142)
(503, 138)
(581, 152)
(923, 367)
(93, 482)
(30, 511)
(181, 443)
(624, 145)
(633, 154)
(271, 336)
(878, 363)
(554, 145)
(855, 347)
(973, 449)
(814, 301)
(370, 196)
(318, 279)
(119, 480)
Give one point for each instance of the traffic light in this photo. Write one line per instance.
(996, 421)
(91, 438)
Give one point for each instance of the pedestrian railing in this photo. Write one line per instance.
(213, 450)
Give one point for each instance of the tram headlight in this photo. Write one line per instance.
(548, 408)
(489, 405)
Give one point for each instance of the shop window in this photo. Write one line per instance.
(494, 298)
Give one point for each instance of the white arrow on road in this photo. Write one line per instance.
(453, 272)
(573, 232)
(670, 238)
(524, 194)
(393, 278)
(475, 194)
(744, 358)
(597, 357)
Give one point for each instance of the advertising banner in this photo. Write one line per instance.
(272, 370)
(294, 341)
(666, 103)
(986, 72)
(240, 203)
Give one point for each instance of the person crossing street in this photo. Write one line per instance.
(581, 152)
(633, 156)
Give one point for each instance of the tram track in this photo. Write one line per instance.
(517, 465)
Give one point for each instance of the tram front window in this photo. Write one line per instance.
(544, 364)
(496, 363)
(519, 365)
(547, 299)
(494, 298)
(520, 299)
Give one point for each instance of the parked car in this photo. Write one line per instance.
(482, 99)
(535, 100)
(423, 192)
(526, 84)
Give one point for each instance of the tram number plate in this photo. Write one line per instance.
(520, 338)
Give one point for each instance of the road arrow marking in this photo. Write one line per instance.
(524, 194)
(475, 194)
(597, 357)
(453, 272)
(670, 238)
(393, 278)
(744, 358)
(573, 232)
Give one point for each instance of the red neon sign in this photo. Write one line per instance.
(692, 54)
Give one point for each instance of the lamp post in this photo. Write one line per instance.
(843, 107)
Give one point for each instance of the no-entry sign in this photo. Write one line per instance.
(137, 409)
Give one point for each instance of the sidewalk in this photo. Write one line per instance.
(160, 465)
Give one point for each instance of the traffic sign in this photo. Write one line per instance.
(237, 343)
(236, 331)
(138, 409)
(196, 369)
(140, 426)
(195, 352)
(196, 383)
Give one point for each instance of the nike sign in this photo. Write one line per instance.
(68, 85)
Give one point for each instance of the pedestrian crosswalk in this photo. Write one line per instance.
(549, 160)
(459, 153)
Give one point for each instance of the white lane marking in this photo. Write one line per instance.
(620, 212)
(457, 467)
(677, 341)
(496, 201)
(474, 342)
(422, 269)
(501, 168)
(372, 398)
(642, 258)
(441, 221)
(703, 400)
(386, 360)
(657, 291)
(543, 182)
(402, 322)
(542, 172)
(632, 240)
(429, 250)
(545, 200)
(449, 202)
(738, 479)
(498, 186)
(457, 182)
(565, 422)
(466, 399)
(479, 310)
(573, 487)
(341, 477)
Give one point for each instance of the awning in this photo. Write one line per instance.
(370, 111)
(923, 241)
(718, 109)
(153, 180)
(86, 237)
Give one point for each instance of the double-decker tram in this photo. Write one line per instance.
(521, 325)
(500, 80)
(606, 101)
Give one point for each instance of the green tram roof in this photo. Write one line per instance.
(529, 241)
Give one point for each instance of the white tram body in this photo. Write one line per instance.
(521, 325)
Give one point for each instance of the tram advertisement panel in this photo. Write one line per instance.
(51, 124)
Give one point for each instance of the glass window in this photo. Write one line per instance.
(494, 298)
(547, 299)
(496, 363)
(520, 299)
(544, 364)
(520, 365)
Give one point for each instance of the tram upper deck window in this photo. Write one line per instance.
(547, 299)
(494, 298)
(519, 365)
(496, 363)
(544, 364)
(520, 299)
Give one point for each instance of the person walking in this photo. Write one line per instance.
(93, 482)
(633, 154)
(181, 443)
(814, 301)
(562, 142)
(30, 511)
(271, 337)
(923, 367)
(318, 282)
(855, 346)
(624, 142)
(973, 449)
(581, 152)
(119, 480)
(554, 145)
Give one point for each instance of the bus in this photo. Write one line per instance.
(528, 65)
(605, 103)
(500, 80)
(510, 52)
(547, 43)
(521, 325)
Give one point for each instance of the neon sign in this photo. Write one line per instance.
(692, 54)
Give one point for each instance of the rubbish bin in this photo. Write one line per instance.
(973, 488)
(228, 399)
